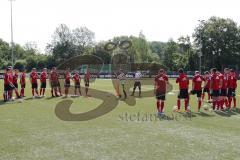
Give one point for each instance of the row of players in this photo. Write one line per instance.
(220, 87)
(11, 82)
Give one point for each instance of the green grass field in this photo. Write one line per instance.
(31, 131)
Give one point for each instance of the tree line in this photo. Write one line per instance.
(214, 43)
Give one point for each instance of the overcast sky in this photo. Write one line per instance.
(160, 20)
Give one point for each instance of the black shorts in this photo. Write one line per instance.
(34, 85)
(137, 84)
(160, 96)
(215, 93)
(43, 85)
(206, 90)
(197, 92)
(58, 84)
(86, 83)
(223, 92)
(183, 94)
(7, 87)
(54, 84)
(11, 87)
(231, 92)
(67, 84)
(77, 85)
(15, 85)
(23, 85)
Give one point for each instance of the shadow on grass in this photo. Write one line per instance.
(2, 102)
(225, 114)
(237, 110)
(36, 98)
(203, 114)
(185, 113)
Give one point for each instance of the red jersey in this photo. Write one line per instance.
(23, 78)
(207, 80)
(53, 76)
(232, 82)
(10, 77)
(87, 75)
(34, 77)
(225, 81)
(76, 78)
(197, 80)
(215, 81)
(161, 83)
(43, 77)
(15, 78)
(183, 81)
(6, 79)
(67, 77)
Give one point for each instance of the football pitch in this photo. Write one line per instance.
(32, 131)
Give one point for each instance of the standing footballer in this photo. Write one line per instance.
(33, 80)
(6, 85)
(224, 89)
(77, 79)
(197, 87)
(87, 77)
(160, 89)
(15, 82)
(122, 80)
(232, 84)
(183, 82)
(67, 81)
(137, 83)
(53, 79)
(23, 82)
(206, 88)
(43, 80)
(215, 88)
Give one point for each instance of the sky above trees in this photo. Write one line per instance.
(159, 20)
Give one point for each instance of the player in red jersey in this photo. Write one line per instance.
(15, 82)
(197, 87)
(183, 82)
(59, 85)
(53, 78)
(6, 85)
(215, 87)
(206, 88)
(232, 84)
(11, 86)
(67, 77)
(224, 89)
(43, 80)
(23, 82)
(86, 80)
(33, 80)
(160, 89)
(77, 81)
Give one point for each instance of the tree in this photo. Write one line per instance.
(172, 47)
(219, 41)
(191, 55)
(102, 53)
(158, 48)
(82, 38)
(67, 44)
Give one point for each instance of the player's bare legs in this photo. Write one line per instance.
(199, 103)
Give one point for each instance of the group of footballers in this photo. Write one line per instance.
(11, 83)
(220, 88)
